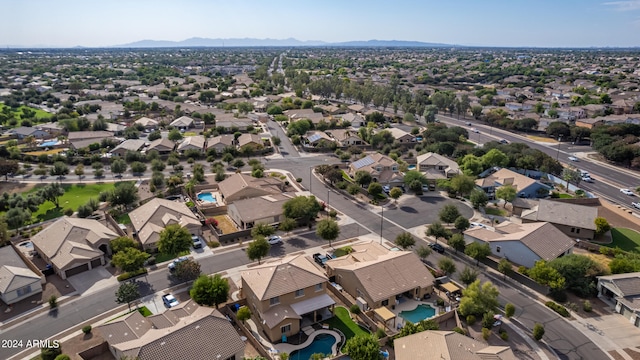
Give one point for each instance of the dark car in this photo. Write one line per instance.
(437, 247)
(321, 259)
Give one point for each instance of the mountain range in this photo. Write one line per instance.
(252, 42)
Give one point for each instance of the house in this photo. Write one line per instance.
(435, 344)
(590, 123)
(356, 120)
(181, 332)
(262, 209)
(183, 123)
(148, 124)
(317, 139)
(526, 187)
(523, 244)
(73, 245)
(400, 135)
(250, 140)
(128, 145)
(576, 221)
(82, 139)
(151, 218)
(520, 205)
(197, 142)
(22, 132)
(233, 124)
(345, 138)
(624, 291)
(435, 166)
(286, 295)
(309, 114)
(243, 186)
(163, 146)
(221, 142)
(375, 275)
(382, 168)
(18, 278)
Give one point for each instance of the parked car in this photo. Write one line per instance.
(572, 158)
(627, 192)
(504, 141)
(386, 189)
(437, 247)
(172, 265)
(636, 205)
(197, 241)
(468, 123)
(321, 259)
(274, 240)
(477, 224)
(169, 300)
(475, 130)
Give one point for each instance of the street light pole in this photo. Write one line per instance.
(328, 191)
(558, 153)
(310, 177)
(381, 220)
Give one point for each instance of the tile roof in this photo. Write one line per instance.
(447, 345)
(14, 272)
(260, 207)
(165, 143)
(226, 140)
(130, 144)
(152, 217)
(628, 284)
(506, 177)
(564, 213)
(282, 276)
(72, 239)
(196, 142)
(85, 135)
(238, 182)
(246, 139)
(431, 159)
(145, 121)
(385, 273)
(275, 314)
(183, 121)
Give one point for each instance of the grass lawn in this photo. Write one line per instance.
(565, 196)
(74, 196)
(541, 139)
(142, 309)
(124, 219)
(347, 178)
(190, 133)
(40, 114)
(342, 321)
(162, 257)
(625, 239)
(45, 152)
(495, 211)
(342, 251)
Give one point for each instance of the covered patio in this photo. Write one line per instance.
(385, 315)
(314, 310)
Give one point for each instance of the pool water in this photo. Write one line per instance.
(207, 197)
(49, 143)
(418, 314)
(321, 344)
(411, 167)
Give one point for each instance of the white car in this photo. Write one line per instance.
(274, 240)
(627, 192)
(172, 265)
(636, 205)
(475, 130)
(477, 224)
(572, 158)
(169, 300)
(386, 189)
(587, 179)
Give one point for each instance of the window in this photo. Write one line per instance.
(274, 301)
(394, 168)
(319, 287)
(498, 249)
(300, 293)
(285, 329)
(577, 230)
(385, 302)
(573, 229)
(417, 291)
(378, 168)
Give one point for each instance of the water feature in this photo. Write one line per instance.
(418, 314)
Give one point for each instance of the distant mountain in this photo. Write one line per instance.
(252, 42)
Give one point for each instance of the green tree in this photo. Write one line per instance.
(449, 213)
(124, 194)
(328, 229)
(244, 314)
(188, 270)
(302, 208)
(602, 225)
(430, 112)
(477, 251)
(130, 259)
(471, 165)
(174, 239)
(127, 293)
(157, 165)
(544, 274)
(50, 352)
(462, 184)
(447, 265)
(478, 299)
(405, 240)
(495, 157)
(122, 242)
(4, 232)
(210, 290)
(363, 347)
(79, 171)
(506, 193)
(423, 252)
(174, 135)
(437, 230)
(479, 199)
(262, 229)
(580, 273)
(59, 169)
(538, 331)
(504, 266)
(509, 310)
(476, 111)
(414, 175)
(620, 264)
(258, 248)
(8, 167)
(52, 192)
(118, 166)
(138, 168)
(287, 225)
(395, 193)
(468, 275)
(374, 189)
(462, 223)
(457, 242)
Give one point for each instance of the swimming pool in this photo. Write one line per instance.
(49, 143)
(418, 314)
(411, 167)
(207, 197)
(322, 344)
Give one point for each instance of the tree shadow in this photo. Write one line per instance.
(53, 312)
(408, 209)
(297, 243)
(50, 214)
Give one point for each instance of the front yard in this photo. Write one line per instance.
(625, 239)
(162, 257)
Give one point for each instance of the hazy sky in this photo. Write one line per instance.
(542, 23)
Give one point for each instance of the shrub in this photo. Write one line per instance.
(211, 221)
(86, 329)
(68, 211)
(129, 275)
(151, 260)
(53, 302)
(50, 353)
(509, 310)
(213, 244)
(504, 336)
(459, 330)
(559, 295)
(522, 270)
(488, 320)
(471, 319)
(538, 331)
(298, 179)
(355, 309)
(605, 251)
(486, 333)
(62, 357)
(380, 333)
(333, 214)
(440, 302)
(557, 308)
(342, 185)
(586, 306)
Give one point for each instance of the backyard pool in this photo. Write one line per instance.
(49, 143)
(207, 197)
(322, 343)
(411, 167)
(418, 314)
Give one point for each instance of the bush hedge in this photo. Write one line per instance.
(558, 308)
(129, 275)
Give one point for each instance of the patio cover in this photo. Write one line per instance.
(384, 313)
(313, 304)
(450, 287)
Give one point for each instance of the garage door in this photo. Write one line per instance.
(95, 263)
(626, 312)
(77, 270)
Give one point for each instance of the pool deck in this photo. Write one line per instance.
(289, 348)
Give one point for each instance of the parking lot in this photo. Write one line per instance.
(412, 211)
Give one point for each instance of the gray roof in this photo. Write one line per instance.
(260, 207)
(447, 345)
(14, 273)
(565, 213)
(130, 144)
(628, 284)
(182, 121)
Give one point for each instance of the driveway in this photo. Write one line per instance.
(92, 280)
(412, 211)
(613, 332)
